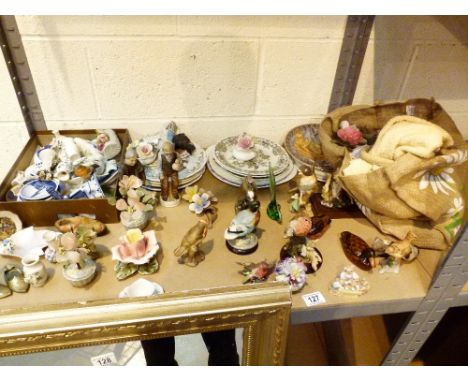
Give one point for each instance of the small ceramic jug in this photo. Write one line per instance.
(34, 271)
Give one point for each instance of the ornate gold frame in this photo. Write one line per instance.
(262, 310)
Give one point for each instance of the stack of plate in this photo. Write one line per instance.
(225, 167)
(194, 168)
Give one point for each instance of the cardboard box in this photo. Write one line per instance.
(45, 213)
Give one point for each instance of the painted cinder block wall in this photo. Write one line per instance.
(218, 76)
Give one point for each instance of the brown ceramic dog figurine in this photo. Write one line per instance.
(189, 252)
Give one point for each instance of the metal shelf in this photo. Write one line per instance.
(447, 283)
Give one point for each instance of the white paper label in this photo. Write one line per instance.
(107, 359)
(314, 298)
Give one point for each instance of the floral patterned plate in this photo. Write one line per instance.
(266, 152)
(236, 180)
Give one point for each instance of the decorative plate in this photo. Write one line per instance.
(236, 180)
(266, 152)
(156, 186)
(193, 164)
(39, 189)
(303, 144)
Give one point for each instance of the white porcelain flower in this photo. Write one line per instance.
(438, 178)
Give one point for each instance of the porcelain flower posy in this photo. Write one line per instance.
(350, 134)
(136, 247)
(245, 141)
(138, 200)
(293, 271)
(199, 199)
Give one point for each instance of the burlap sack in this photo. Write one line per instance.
(411, 194)
(414, 194)
(371, 118)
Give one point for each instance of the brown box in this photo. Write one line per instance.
(44, 213)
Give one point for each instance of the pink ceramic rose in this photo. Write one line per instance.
(350, 134)
(301, 226)
(136, 247)
(245, 141)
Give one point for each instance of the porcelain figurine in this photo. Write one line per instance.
(189, 251)
(293, 271)
(136, 250)
(71, 224)
(303, 249)
(240, 236)
(307, 185)
(136, 204)
(312, 227)
(256, 272)
(34, 271)
(348, 282)
(403, 249)
(10, 223)
(171, 164)
(108, 143)
(243, 150)
(357, 251)
(273, 208)
(333, 195)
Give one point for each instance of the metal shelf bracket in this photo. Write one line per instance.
(20, 74)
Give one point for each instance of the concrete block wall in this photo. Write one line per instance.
(219, 76)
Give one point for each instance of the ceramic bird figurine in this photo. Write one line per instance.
(240, 236)
(189, 252)
(256, 272)
(357, 250)
(243, 223)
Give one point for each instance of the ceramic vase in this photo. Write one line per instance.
(34, 271)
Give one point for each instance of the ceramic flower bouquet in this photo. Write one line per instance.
(136, 204)
(73, 250)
